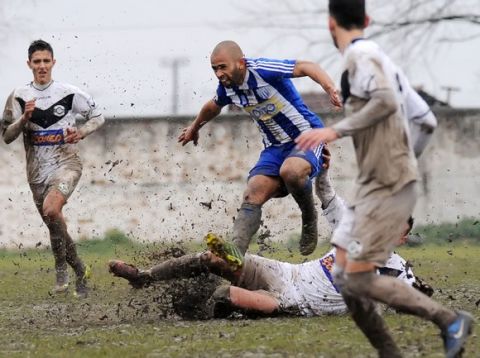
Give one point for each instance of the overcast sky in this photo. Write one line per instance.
(119, 50)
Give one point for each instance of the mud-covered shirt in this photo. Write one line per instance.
(56, 107)
(382, 145)
(307, 289)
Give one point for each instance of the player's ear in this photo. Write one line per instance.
(332, 24)
(242, 63)
(54, 62)
(29, 64)
(367, 21)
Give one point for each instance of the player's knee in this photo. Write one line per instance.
(51, 214)
(293, 178)
(254, 197)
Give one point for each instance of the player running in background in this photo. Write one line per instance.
(44, 112)
(376, 117)
(263, 88)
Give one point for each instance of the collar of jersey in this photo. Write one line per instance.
(244, 85)
(41, 87)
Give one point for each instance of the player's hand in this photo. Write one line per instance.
(327, 156)
(188, 134)
(29, 108)
(314, 137)
(73, 135)
(335, 98)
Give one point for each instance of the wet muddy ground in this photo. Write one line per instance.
(116, 320)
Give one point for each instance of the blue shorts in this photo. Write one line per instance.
(272, 158)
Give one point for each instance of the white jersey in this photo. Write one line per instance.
(414, 107)
(56, 107)
(306, 289)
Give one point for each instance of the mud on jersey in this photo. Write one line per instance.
(307, 289)
(56, 106)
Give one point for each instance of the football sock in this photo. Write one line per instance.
(246, 225)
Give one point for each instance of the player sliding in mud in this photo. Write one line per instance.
(264, 285)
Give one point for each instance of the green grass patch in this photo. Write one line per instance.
(463, 230)
(118, 321)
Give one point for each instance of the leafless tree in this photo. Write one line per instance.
(401, 26)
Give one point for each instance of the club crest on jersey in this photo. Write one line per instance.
(59, 110)
(327, 262)
(48, 137)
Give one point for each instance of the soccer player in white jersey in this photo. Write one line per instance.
(263, 88)
(44, 112)
(377, 108)
(269, 286)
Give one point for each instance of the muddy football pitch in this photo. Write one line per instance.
(167, 320)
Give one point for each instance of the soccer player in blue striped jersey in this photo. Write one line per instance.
(263, 88)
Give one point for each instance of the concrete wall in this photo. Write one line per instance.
(138, 179)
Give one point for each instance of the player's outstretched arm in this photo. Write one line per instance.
(318, 74)
(209, 111)
(381, 104)
(90, 126)
(253, 300)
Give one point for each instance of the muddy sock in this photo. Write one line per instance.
(304, 198)
(365, 315)
(181, 267)
(246, 225)
(57, 243)
(324, 188)
(400, 296)
(334, 211)
(72, 257)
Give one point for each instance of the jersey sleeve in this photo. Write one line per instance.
(272, 70)
(84, 105)
(418, 110)
(366, 76)
(221, 99)
(12, 111)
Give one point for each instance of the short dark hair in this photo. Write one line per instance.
(349, 14)
(410, 223)
(39, 45)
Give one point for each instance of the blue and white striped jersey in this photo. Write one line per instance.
(272, 101)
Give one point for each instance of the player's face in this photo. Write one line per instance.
(229, 72)
(41, 64)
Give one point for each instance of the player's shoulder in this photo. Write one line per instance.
(395, 261)
(362, 50)
(266, 64)
(22, 91)
(68, 88)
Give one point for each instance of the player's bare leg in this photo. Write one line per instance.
(63, 247)
(180, 267)
(260, 189)
(295, 174)
(364, 313)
